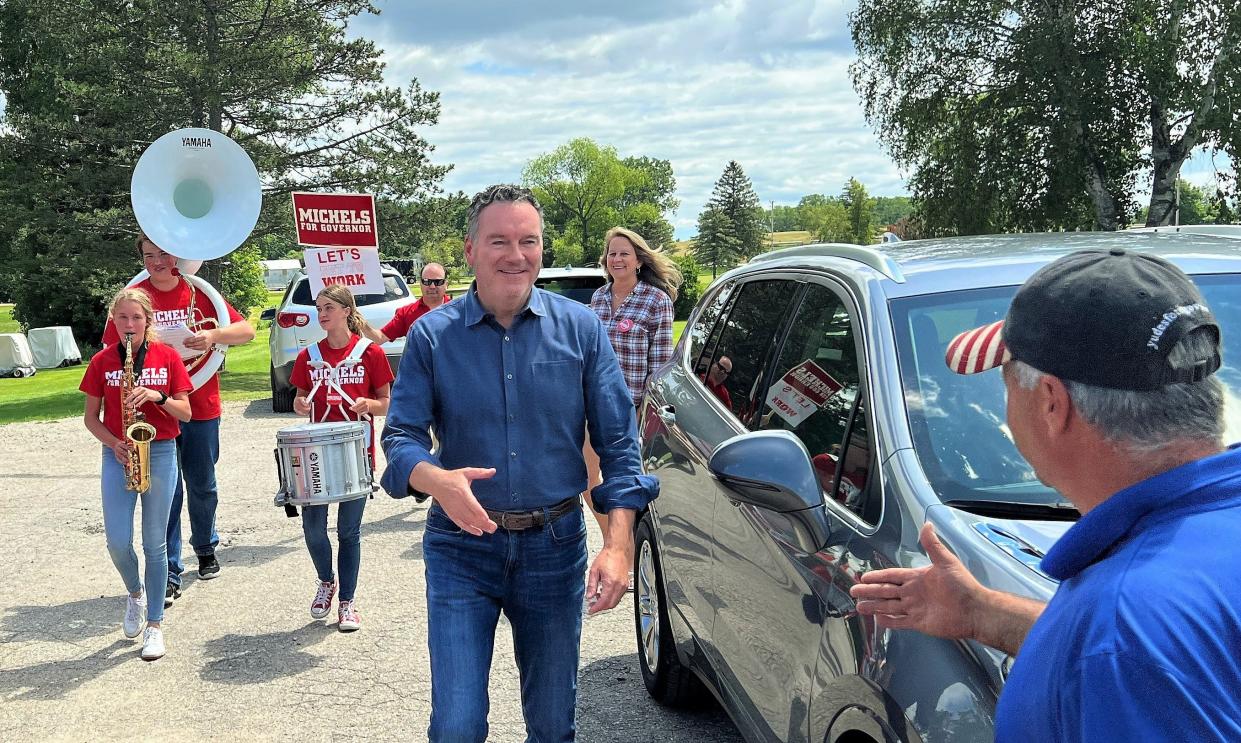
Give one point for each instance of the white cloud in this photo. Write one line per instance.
(764, 84)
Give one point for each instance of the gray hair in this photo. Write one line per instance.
(499, 193)
(1144, 422)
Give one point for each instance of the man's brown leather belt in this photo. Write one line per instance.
(522, 520)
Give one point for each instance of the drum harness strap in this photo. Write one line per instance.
(332, 378)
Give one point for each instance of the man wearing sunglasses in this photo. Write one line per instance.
(434, 293)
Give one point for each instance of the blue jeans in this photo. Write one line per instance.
(198, 449)
(348, 533)
(537, 578)
(118, 522)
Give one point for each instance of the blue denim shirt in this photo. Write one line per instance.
(518, 400)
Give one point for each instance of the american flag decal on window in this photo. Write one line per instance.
(977, 350)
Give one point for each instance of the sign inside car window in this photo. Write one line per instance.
(801, 392)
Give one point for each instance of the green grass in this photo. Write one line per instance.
(678, 326)
(7, 323)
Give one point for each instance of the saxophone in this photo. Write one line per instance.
(137, 430)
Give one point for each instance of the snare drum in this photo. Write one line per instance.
(321, 463)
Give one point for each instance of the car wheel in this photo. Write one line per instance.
(281, 397)
(666, 679)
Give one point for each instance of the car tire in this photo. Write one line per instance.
(281, 397)
(667, 680)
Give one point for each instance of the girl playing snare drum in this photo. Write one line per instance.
(349, 381)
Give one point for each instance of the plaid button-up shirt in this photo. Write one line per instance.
(640, 331)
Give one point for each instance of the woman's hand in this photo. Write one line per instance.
(120, 450)
(140, 395)
(301, 406)
(203, 339)
(361, 405)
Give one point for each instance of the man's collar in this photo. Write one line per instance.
(1185, 488)
(473, 312)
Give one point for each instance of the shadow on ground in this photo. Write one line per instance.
(57, 678)
(609, 685)
(70, 622)
(247, 659)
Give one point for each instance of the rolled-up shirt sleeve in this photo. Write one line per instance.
(613, 431)
(406, 436)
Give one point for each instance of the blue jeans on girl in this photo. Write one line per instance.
(118, 522)
(348, 534)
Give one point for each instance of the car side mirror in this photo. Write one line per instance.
(268, 314)
(768, 469)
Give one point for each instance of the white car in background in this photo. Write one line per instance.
(295, 325)
(574, 283)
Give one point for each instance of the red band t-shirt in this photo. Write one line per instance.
(357, 380)
(171, 309)
(162, 371)
(405, 316)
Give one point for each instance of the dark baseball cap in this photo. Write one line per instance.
(1107, 318)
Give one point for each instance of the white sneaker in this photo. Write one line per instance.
(135, 616)
(152, 643)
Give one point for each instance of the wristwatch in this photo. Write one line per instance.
(163, 398)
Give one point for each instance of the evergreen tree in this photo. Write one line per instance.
(733, 197)
(716, 245)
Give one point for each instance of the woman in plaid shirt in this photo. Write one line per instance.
(636, 308)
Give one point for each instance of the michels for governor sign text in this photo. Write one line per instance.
(342, 236)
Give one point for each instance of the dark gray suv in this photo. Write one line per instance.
(804, 430)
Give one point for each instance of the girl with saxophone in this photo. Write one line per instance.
(344, 377)
(137, 393)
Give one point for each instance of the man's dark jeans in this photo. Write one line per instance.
(537, 578)
(198, 449)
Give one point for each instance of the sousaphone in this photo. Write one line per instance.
(196, 194)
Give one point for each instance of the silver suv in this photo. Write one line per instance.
(805, 428)
(294, 325)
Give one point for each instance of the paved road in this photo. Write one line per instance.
(245, 661)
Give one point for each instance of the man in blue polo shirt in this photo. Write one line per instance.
(509, 375)
(1109, 359)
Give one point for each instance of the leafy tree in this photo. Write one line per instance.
(448, 251)
(1030, 115)
(657, 185)
(861, 209)
(645, 219)
(716, 244)
(892, 209)
(734, 199)
(825, 218)
(241, 280)
(90, 83)
(782, 218)
(691, 290)
(584, 181)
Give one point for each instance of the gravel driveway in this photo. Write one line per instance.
(245, 661)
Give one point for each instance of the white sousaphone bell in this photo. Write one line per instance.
(196, 194)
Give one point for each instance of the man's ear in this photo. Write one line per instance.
(1054, 404)
(469, 251)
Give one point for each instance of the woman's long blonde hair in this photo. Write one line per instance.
(134, 294)
(656, 269)
(341, 295)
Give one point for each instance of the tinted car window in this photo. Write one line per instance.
(745, 341)
(706, 327)
(958, 422)
(814, 394)
(580, 288)
(394, 288)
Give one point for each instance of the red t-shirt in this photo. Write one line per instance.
(162, 371)
(358, 380)
(171, 309)
(405, 316)
(720, 391)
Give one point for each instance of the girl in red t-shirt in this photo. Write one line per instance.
(161, 393)
(360, 388)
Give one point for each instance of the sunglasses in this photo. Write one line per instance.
(433, 282)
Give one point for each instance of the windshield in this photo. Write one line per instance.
(957, 421)
(581, 288)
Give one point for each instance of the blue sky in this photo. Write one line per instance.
(695, 83)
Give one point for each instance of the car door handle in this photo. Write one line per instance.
(667, 413)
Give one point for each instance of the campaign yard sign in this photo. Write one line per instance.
(335, 220)
(801, 392)
(356, 268)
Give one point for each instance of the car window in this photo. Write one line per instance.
(815, 394)
(737, 360)
(707, 327)
(580, 288)
(394, 288)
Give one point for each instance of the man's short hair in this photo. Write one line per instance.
(500, 193)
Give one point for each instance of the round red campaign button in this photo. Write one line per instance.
(624, 325)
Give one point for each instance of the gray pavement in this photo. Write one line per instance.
(245, 661)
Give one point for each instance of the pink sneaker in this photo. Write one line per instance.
(350, 620)
(322, 605)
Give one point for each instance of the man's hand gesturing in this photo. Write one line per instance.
(452, 490)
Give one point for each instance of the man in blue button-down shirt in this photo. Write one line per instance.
(509, 376)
